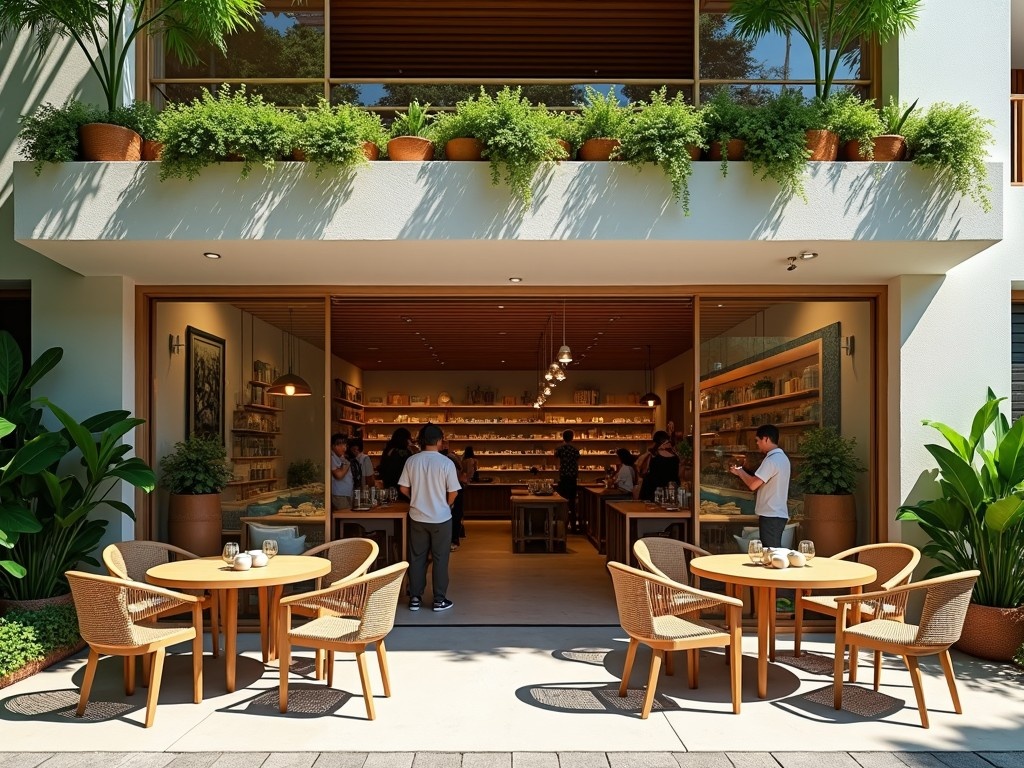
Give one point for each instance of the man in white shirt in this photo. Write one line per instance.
(770, 483)
(431, 482)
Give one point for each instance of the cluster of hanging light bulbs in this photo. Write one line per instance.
(555, 373)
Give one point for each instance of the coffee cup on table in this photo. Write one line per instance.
(242, 562)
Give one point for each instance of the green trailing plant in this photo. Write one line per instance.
(601, 116)
(106, 30)
(331, 136)
(195, 466)
(46, 523)
(894, 116)
(853, 119)
(952, 141)
(304, 472)
(31, 636)
(222, 126)
(466, 122)
(977, 521)
(562, 126)
(777, 141)
(369, 127)
(725, 119)
(50, 134)
(830, 465)
(663, 132)
(830, 28)
(516, 140)
(415, 121)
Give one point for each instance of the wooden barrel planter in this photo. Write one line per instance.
(194, 522)
(464, 149)
(109, 143)
(887, 149)
(410, 148)
(823, 145)
(830, 522)
(992, 633)
(597, 149)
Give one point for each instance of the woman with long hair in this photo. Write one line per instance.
(470, 465)
(392, 460)
(660, 465)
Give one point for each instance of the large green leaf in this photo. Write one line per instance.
(103, 421)
(136, 472)
(983, 419)
(35, 456)
(120, 506)
(10, 364)
(960, 475)
(81, 436)
(959, 443)
(6, 427)
(1005, 513)
(42, 366)
(18, 520)
(1009, 456)
(17, 571)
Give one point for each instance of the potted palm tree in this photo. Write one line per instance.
(827, 475)
(977, 522)
(195, 473)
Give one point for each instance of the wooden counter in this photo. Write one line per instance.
(390, 520)
(630, 520)
(539, 518)
(592, 501)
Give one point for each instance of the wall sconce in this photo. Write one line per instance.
(175, 344)
(847, 344)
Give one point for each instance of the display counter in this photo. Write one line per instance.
(632, 520)
(592, 501)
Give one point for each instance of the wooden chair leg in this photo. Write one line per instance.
(628, 668)
(147, 667)
(947, 668)
(915, 678)
(382, 661)
(154, 684)
(837, 671)
(129, 675)
(798, 621)
(652, 682)
(330, 669)
(364, 679)
(90, 675)
(197, 655)
(693, 667)
(670, 665)
(319, 664)
(878, 669)
(854, 659)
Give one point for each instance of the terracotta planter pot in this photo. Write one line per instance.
(830, 522)
(597, 149)
(298, 156)
(109, 143)
(464, 149)
(824, 145)
(371, 150)
(734, 150)
(992, 633)
(194, 522)
(887, 149)
(567, 147)
(152, 150)
(410, 148)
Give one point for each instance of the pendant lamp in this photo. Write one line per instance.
(651, 398)
(290, 384)
(564, 353)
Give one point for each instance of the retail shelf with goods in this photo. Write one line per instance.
(347, 405)
(254, 429)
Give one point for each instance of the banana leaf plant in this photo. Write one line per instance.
(47, 525)
(978, 521)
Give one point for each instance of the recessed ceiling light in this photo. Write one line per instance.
(380, 361)
(502, 333)
(721, 305)
(808, 255)
(373, 349)
(636, 348)
(515, 279)
(211, 255)
(503, 361)
(501, 306)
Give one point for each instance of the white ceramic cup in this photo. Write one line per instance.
(242, 562)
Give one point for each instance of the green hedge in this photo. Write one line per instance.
(27, 636)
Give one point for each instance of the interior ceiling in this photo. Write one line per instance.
(479, 333)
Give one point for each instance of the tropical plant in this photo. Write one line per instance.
(197, 465)
(50, 134)
(853, 119)
(516, 140)
(725, 119)
(831, 28)
(664, 132)
(894, 116)
(977, 522)
(951, 141)
(329, 135)
(304, 472)
(601, 116)
(45, 522)
(228, 125)
(777, 141)
(415, 121)
(830, 465)
(105, 30)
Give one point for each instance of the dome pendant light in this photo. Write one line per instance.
(290, 384)
(651, 398)
(564, 353)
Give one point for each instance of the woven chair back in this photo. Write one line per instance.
(668, 558)
(945, 608)
(349, 557)
(632, 599)
(131, 559)
(108, 608)
(888, 560)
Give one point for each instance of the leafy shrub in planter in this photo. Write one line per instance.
(851, 118)
(228, 125)
(563, 126)
(663, 132)
(724, 120)
(466, 122)
(333, 135)
(951, 141)
(139, 117)
(415, 121)
(50, 134)
(28, 636)
(601, 116)
(777, 141)
(830, 465)
(196, 466)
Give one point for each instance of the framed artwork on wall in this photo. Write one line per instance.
(204, 385)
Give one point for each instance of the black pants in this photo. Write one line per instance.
(457, 513)
(770, 530)
(567, 489)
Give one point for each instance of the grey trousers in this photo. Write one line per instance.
(434, 539)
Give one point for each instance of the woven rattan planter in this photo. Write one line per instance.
(109, 143)
(992, 633)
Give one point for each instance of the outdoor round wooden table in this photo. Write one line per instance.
(214, 574)
(819, 573)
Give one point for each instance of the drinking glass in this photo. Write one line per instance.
(806, 548)
(659, 496)
(230, 550)
(357, 498)
(755, 551)
(270, 547)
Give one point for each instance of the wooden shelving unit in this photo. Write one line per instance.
(255, 429)
(347, 406)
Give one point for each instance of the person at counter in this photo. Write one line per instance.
(568, 456)
(392, 459)
(458, 531)
(341, 473)
(362, 465)
(659, 466)
(626, 477)
(770, 483)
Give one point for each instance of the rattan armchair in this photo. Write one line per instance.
(894, 565)
(942, 619)
(114, 619)
(131, 559)
(667, 558)
(647, 605)
(353, 614)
